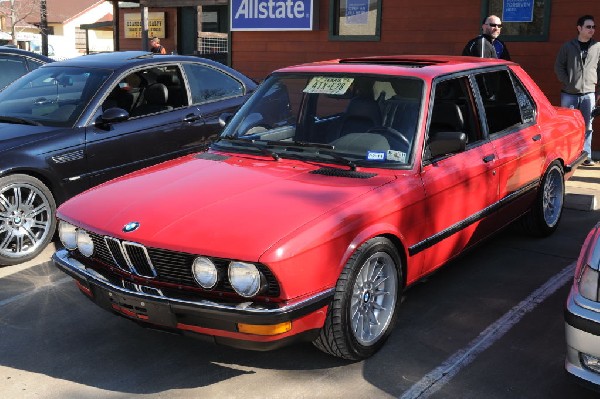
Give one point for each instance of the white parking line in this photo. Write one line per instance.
(441, 375)
(34, 291)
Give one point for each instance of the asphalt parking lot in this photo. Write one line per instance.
(490, 324)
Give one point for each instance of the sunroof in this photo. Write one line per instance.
(391, 61)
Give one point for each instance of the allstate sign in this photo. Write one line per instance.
(272, 15)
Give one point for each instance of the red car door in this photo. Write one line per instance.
(517, 140)
(462, 187)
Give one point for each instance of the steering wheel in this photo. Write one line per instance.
(389, 132)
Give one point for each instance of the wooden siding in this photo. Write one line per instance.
(432, 27)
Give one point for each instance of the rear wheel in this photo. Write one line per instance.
(27, 218)
(365, 303)
(542, 220)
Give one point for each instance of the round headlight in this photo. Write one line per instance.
(85, 243)
(68, 235)
(205, 272)
(245, 278)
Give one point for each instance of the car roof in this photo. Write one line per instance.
(401, 65)
(123, 60)
(21, 52)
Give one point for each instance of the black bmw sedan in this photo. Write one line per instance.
(70, 125)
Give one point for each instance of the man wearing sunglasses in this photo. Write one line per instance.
(487, 45)
(577, 67)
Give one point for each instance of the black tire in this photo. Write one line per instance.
(360, 292)
(544, 216)
(27, 218)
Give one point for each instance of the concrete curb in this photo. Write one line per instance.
(583, 189)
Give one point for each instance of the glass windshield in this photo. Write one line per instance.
(53, 96)
(364, 120)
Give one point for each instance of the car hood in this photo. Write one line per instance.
(14, 134)
(224, 206)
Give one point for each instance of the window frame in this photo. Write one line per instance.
(334, 35)
(543, 37)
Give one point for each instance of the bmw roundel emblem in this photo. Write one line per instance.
(131, 226)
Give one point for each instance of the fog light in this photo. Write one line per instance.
(271, 329)
(590, 362)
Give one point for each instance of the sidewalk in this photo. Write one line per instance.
(583, 189)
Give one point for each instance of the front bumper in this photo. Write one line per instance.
(582, 333)
(218, 320)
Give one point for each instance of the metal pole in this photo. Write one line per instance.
(144, 20)
(44, 26)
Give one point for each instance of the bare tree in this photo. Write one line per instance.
(16, 11)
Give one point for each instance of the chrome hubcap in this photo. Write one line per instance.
(373, 298)
(552, 199)
(25, 219)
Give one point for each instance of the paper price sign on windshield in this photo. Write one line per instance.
(328, 85)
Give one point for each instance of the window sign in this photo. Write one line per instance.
(517, 11)
(357, 12)
(133, 25)
(257, 15)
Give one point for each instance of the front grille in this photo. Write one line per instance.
(164, 265)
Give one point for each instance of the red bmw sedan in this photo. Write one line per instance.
(335, 187)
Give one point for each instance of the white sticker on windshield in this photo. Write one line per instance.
(328, 85)
(398, 156)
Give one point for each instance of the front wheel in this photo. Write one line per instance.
(27, 218)
(542, 219)
(364, 307)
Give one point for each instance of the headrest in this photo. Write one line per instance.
(168, 79)
(157, 93)
(448, 114)
(364, 107)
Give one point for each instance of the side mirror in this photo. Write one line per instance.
(442, 143)
(224, 118)
(114, 115)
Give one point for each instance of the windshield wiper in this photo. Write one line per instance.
(20, 121)
(320, 148)
(251, 143)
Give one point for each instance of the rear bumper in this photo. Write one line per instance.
(218, 320)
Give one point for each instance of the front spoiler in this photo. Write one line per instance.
(178, 314)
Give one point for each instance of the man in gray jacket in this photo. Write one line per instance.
(578, 69)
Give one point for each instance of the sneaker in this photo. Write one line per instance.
(588, 162)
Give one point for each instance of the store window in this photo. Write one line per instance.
(522, 20)
(355, 20)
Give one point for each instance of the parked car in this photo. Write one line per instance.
(582, 315)
(70, 125)
(15, 63)
(334, 188)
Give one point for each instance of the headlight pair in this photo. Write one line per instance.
(245, 278)
(74, 238)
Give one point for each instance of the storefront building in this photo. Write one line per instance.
(258, 36)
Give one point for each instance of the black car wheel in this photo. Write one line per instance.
(27, 218)
(542, 220)
(364, 307)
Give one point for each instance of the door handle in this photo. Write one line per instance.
(191, 118)
(489, 158)
(537, 137)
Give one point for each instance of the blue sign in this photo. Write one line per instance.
(272, 14)
(357, 12)
(517, 11)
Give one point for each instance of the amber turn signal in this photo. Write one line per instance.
(271, 329)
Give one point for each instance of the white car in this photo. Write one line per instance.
(582, 315)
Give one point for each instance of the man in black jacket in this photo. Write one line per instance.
(487, 45)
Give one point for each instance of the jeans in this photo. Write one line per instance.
(584, 103)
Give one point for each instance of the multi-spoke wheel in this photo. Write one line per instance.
(364, 307)
(27, 218)
(542, 219)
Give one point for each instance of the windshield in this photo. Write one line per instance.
(362, 120)
(52, 96)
